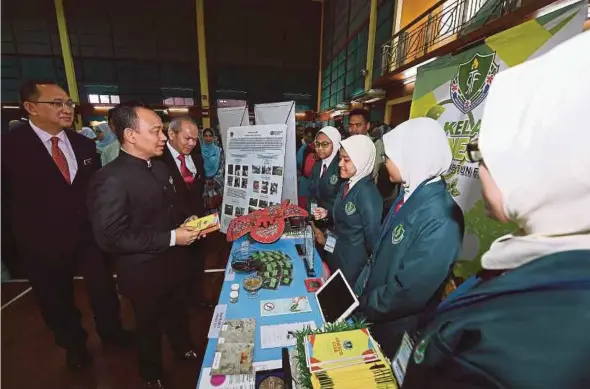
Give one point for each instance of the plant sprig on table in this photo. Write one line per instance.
(304, 381)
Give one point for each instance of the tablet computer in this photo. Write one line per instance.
(336, 299)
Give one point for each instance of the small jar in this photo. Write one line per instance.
(235, 287)
(233, 296)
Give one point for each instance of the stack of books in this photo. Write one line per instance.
(347, 359)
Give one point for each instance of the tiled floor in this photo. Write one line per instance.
(31, 360)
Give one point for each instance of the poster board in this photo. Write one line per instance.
(254, 170)
(453, 91)
(231, 117)
(283, 113)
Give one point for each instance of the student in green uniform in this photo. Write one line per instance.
(524, 321)
(420, 238)
(357, 210)
(325, 180)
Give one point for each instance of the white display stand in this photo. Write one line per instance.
(283, 113)
(231, 117)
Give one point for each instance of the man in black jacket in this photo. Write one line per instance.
(136, 216)
(182, 155)
(45, 172)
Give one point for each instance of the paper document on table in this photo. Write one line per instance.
(236, 381)
(217, 320)
(284, 306)
(267, 365)
(280, 335)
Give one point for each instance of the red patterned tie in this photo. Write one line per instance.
(187, 176)
(398, 206)
(324, 168)
(346, 189)
(60, 159)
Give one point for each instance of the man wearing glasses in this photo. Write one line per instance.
(45, 171)
(359, 124)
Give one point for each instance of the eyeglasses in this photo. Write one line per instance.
(58, 104)
(323, 145)
(473, 154)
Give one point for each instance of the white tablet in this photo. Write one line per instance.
(336, 299)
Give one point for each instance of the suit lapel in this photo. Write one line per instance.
(77, 148)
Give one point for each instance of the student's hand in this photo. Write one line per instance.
(320, 213)
(186, 235)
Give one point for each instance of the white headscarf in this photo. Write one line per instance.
(335, 137)
(535, 139)
(361, 150)
(420, 150)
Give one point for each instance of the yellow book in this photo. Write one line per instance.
(206, 224)
(339, 349)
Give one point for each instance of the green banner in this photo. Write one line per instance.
(453, 90)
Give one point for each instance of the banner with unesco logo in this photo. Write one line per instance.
(453, 91)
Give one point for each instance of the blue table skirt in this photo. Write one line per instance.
(250, 308)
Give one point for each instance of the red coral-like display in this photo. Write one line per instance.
(265, 225)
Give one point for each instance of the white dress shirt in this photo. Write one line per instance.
(326, 162)
(64, 144)
(190, 164)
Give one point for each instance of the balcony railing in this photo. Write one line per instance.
(441, 24)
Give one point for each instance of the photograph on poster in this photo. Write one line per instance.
(277, 171)
(230, 180)
(262, 203)
(244, 183)
(256, 186)
(238, 170)
(229, 209)
(245, 171)
(256, 169)
(251, 209)
(274, 187)
(266, 170)
(236, 182)
(253, 202)
(230, 169)
(239, 211)
(264, 189)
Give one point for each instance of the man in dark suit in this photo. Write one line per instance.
(136, 216)
(45, 172)
(183, 157)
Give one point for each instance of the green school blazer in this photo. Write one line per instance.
(357, 222)
(323, 190)
(411, 261)
(528, 328)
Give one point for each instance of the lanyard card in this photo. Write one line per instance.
(330, 242)
(400, 361)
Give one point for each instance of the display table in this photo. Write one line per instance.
(250, 308)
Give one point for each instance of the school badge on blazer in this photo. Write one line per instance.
(349, 208)
(333, 179)
(398, 234)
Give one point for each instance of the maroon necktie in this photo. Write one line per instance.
(324, 168)
(346, 189)
(398, 206)
(60, 159)
(187, 176)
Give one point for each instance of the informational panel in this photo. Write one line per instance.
(453, 90)
(231, 117)
(254, 170)
(283, 113)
